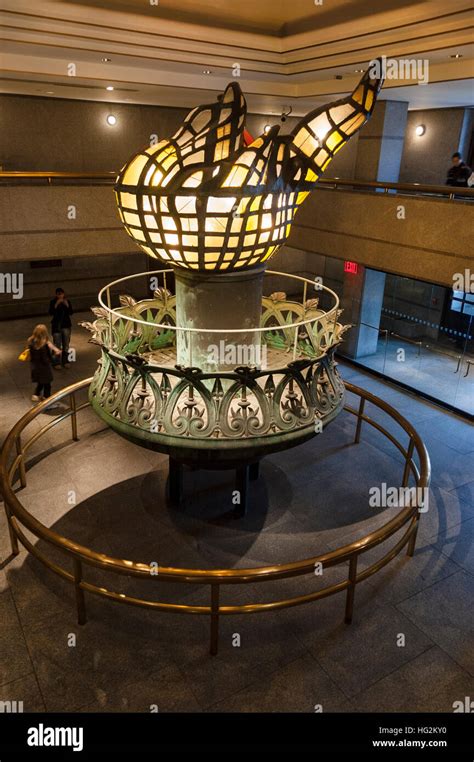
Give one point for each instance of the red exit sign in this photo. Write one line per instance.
(351, 267)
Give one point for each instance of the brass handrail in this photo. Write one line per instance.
(333, 182)
(414, 342)
(19, 517)
(65, 175)
(415, 188)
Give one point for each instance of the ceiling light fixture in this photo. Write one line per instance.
(206, 71)
(106, 60)
(420, 130)
(267, 128)
(109, 87)
(456, 55)
(111, 120)
(358, 71)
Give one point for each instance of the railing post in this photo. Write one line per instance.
(80, 600)
(110, 316)
(72, 405)
(359, 420)
(405, 480)
(351, 590)
(214, 619)
(406, 470)
(412, 540)
(21, 464)
(295, 343)
(13, 537)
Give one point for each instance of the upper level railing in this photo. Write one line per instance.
(411, 189)
(57, 178)
(108, 178)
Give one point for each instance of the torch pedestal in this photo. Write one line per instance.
(224, 411)
(219, 304)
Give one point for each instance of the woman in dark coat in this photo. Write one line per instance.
(41, 353)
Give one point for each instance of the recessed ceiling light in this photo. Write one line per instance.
(111, 120)
(420, 130)
(206, 71)
(456, 55)
(109, 87)
(106, 60)
(267, 129)
(358, 71)
(49, 92)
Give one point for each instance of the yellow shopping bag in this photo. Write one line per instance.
(25, 355)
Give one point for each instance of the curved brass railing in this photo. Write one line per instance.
(13, 468)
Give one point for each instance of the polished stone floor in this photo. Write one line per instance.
(110, 494)
(444, 375)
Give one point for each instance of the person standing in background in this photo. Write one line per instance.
(41, 353)
(60, 309)
(459, 173)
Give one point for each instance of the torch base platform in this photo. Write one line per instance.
(208, 420)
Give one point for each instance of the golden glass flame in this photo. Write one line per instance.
(204, 201)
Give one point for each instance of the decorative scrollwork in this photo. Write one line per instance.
(141, 391)
(242, 405)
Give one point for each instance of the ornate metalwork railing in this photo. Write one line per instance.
(142, 391)
(300, 328)
(187, 404)
(80, 558)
